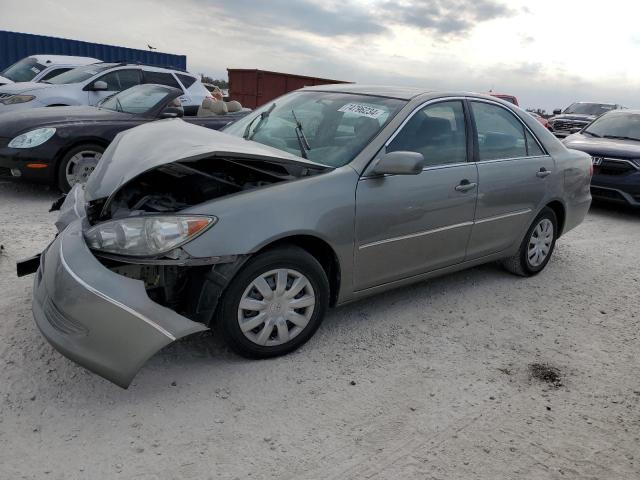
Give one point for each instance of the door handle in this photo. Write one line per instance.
(543, 173)
(465, 186)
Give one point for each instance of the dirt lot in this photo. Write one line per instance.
(428, 382)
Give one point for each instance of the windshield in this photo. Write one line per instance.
(80, 74)
(589, 108)
(140, 99)
(324, 127)
(24, 70)
(617, 125)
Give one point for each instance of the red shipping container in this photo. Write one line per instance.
(253, 88)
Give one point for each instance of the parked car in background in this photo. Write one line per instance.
(89, 84)
(505, 97)
(62, 146)
(40, 68)
(321, 197)
(541, 119)
(613, 141)
(577, 116)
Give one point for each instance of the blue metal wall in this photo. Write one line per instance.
(15, 46)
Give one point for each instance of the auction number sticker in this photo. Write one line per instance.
(361, 110)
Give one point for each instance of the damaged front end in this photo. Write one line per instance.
(116, 285)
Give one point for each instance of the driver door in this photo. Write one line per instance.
(411, 224)
(116, 81)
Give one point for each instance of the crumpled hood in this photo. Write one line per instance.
(24, 87)
(4, 80)
(148, 146)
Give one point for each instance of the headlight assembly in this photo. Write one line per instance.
(146, 236)
(13, 99)
(33, 138)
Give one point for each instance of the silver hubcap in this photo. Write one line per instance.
(81, 165)
(540, 243)
(276, 307)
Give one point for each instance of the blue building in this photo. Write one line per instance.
(15, 46)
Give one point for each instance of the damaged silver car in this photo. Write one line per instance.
(324, 196)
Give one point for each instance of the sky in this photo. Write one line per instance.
(547, 53)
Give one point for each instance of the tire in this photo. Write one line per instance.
(89, 148)
(521, 263)
(273, 333)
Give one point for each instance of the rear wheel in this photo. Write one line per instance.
(274, 304)
(77, 165)
(536, 248)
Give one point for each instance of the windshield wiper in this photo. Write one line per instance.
(302, 139)
(263, 116)
(591, 133)
(618, 137)
(118, 105)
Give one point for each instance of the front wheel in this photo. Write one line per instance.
(536, 248)
(77, 165)
(274, 304)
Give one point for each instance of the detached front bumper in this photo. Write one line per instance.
(97, 318)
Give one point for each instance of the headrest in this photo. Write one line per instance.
(234, 106)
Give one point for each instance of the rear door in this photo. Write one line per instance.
(410, 224)
(514, 175)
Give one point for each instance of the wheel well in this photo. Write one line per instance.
(322, 252)
(558, 209)
(84, 141)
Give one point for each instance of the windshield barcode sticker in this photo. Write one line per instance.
(361, 110)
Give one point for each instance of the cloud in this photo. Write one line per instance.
(319, 18)
(446, 17)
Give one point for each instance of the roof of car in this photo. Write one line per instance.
(399, 92)
(404, 93)
(63, 59)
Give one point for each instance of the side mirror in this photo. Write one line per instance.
(99, 86)
(399, 163)
(171, 112)
(557, 111)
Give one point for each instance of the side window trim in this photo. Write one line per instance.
(522, 123)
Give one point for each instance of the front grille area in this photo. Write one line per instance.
(6, 95)
(615, 166)
(5, 172)
(567, 124)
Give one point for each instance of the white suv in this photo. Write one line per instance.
(89, 84)
(37, 68)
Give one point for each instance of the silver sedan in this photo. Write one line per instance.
(324, 196)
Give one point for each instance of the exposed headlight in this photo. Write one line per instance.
(13, 99)
(33, 138)
(146, 235)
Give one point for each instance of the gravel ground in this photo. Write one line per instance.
(434, 381)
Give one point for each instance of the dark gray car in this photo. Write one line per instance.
(325, 196)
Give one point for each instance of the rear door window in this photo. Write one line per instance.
(161, 78)
(499, 134)
(121, 79)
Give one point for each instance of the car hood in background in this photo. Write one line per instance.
(153, 144)
(574, 116)
(606, 147)
(23, 87)
(12, 123)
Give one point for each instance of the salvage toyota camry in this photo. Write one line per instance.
(322, 197)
